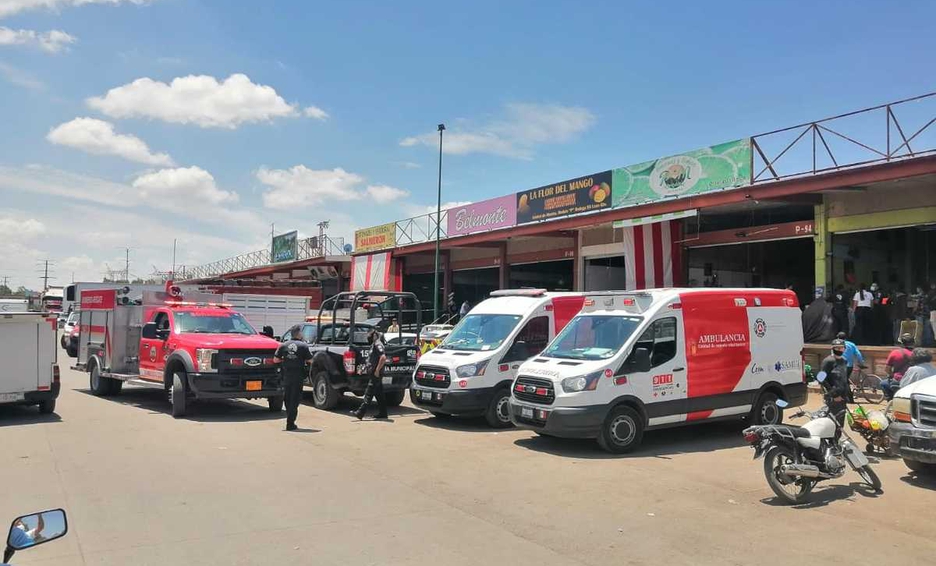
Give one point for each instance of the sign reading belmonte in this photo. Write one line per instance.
(482, 216)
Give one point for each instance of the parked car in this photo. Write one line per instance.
(913, 428)
(67, 328)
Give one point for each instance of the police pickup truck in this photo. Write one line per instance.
(339, 351)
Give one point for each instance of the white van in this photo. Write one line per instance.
(30, 374)
(634, 361)
(470, 372)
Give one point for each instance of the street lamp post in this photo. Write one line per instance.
(435, 291)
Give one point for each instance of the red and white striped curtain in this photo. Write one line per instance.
(375, 272)
(652, 254)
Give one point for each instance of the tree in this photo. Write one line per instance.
(5, 291)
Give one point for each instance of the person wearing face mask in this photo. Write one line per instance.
(836, 381)
(840, 310)
(376, 358)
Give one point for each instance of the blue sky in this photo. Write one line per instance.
(335, 117)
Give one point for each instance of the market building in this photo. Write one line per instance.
(815, 210)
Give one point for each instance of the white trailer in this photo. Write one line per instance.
(30, 372)
(14, 305)
(277, 311)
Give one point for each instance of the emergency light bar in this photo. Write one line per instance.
(196, 304)
(519, 293)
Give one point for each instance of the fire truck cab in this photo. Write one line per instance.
(191, 347)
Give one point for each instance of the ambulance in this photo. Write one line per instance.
(637, 361)
(471, 371)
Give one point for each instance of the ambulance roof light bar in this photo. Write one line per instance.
(197, 304)
(518, 293)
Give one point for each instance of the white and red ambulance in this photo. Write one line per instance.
(470, 372)
(636, 361)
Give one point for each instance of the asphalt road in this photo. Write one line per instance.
(229, 486)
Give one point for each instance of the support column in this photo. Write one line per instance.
(447, 287)
(823, 247)
(576, 260)
(503, 270)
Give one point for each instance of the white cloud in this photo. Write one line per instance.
(408, 164)
(383, 194)
(40, 179)
(9, 7)
(183, 188)
(315, 112)
(98, 137)
(522, 127)
(19, 78)
(201, 100)
(300, 187)
(53, 41)
(18, 229)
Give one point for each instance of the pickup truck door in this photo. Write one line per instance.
(153, 351)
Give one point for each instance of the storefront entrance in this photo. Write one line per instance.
(605, 273)
(549, 275)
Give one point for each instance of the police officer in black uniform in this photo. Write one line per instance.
(376, 358)
(836, 386)
(293, 357)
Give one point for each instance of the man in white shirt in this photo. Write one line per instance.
(861, 303)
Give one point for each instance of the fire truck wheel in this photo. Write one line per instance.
(98, 383)
(115, 387)
(395, 398)
(178, 394)
(275, 404)
(324, 395)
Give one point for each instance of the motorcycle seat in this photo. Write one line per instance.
(794, 431)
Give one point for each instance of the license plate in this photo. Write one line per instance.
(526, 412)
(254, 385)
(387, 380)
(11, 397)
(425, 395)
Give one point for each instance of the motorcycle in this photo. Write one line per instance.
(797, 458)
(32, 530)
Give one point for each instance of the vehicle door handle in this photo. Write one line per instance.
(679, 369)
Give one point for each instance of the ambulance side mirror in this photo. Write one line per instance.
(642, 360)
(149, 331)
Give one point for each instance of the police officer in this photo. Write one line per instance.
(376, 358)
(836, 386)
(293, 356)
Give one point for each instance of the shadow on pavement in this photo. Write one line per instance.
(663, 443)
(15, 415)
(823, 496)
(921, 479)
(228, 410)
(348, 403)
(460, 424)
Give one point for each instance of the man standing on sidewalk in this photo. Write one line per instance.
(293, 357)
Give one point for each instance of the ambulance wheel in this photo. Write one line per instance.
(275, 404)
(47, 407)
(395, 398)
(324, 395)
(498, 411)
(177, 394)
(99, 385)
(766, 411)
(622, 431)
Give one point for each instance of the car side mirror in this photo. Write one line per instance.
(149, 331)
(35, 529)
(642, 360)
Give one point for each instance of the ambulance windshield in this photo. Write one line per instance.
(213, 323)
(480, 332)
(590, 337)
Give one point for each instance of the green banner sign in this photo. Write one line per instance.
(285, 247)
(723, 166)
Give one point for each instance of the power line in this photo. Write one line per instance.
(45, 264)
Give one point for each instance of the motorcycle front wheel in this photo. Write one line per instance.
(792, 490)
(870, 477)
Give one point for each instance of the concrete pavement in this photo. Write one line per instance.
(228, 486)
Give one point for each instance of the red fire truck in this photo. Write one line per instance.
(188, 345)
